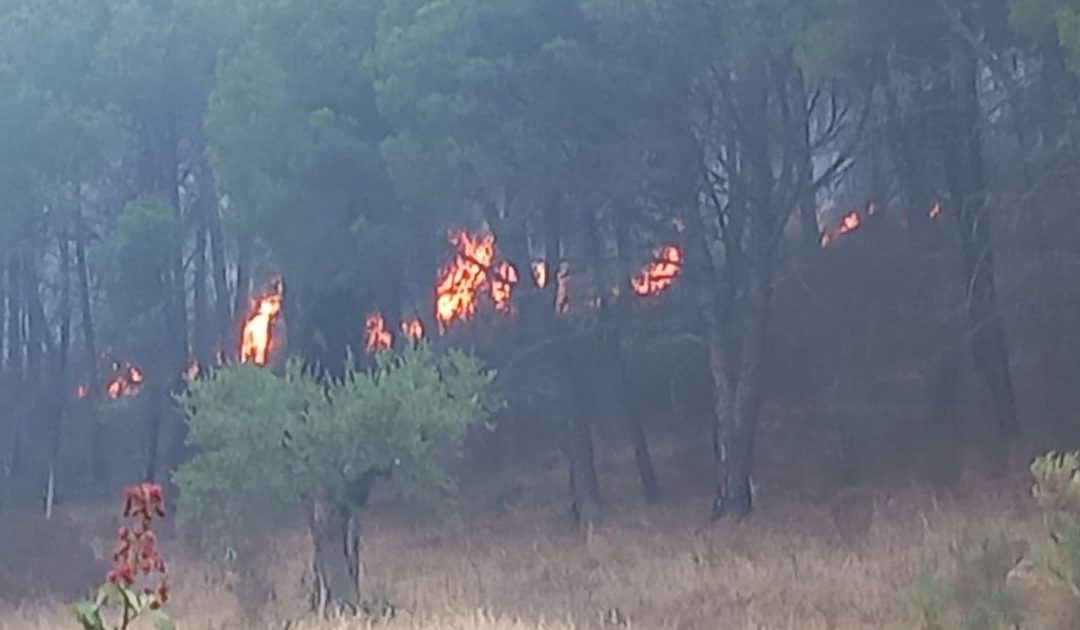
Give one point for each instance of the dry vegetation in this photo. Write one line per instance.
(789, 566)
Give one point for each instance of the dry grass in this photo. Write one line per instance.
(786, 567)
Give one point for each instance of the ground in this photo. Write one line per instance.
(849, 561)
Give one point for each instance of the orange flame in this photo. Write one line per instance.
(660, 274)
(540, 273)
(413, 329)
(848, 224)
(935, 211)
(81, 392)
(126, 384)
(257, 340)
(376, 336)
(192, 371)
(470, 273)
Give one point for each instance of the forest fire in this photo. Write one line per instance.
(848, 224)
(377, 336)
(660, 274)
(935, 211)
(412, 329)
(471, 273)
(82, 392)
(257, 340)
(127, 384)
(191, 372)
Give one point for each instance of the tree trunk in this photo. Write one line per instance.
(222, 304)
(243, 291)
(99, 461)
(737, 414)
(202, 335)
(335, 538)
(63, 388)
(967, 187)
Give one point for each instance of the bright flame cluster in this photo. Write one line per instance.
(660, 274)
(471, 273)
(258, 336)
(376, 335)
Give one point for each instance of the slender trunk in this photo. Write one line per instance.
(36, 343)
(99, 461)
(967, 187)
(611, 341)
(202, 336)
(243, 293)
(222, 304)
(804, 166)
(61, 381)
(584, 485)
(15, 362)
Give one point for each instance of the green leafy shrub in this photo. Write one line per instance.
(974, 593)
(1057, 491)
(318, 446)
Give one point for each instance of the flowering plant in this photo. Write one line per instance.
(136, 554)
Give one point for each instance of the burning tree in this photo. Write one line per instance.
(321, 447)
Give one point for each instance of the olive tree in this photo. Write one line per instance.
(320, 445)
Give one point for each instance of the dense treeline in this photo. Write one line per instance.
(161, 162)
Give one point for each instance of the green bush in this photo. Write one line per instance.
(266, 441)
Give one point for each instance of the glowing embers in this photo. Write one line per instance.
(126, 382)
(848, 224)
(257, 341)
(660, 274)
(471, 273)
(377, 336)
(935, 211)
(82, 392)
(191, 372)
(412, 329)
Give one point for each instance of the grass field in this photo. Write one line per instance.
(789, 566)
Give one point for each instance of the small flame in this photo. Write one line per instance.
(660, 274)
(540, 273)
(81, 392)
(257, 339)
(848, 224)
(126, 384)
(935, 211)
(192, 371)
(413, 329)
(377, 336)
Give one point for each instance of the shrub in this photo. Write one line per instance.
(136, 554)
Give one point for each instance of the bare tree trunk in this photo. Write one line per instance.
(222, 304)
(61, 379)
(967, 186)
(202, 334)
(99, 461)
(336, 560)
(15, 364)
(243, 289)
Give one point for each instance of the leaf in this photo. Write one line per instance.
(88, 615)
(162, 621)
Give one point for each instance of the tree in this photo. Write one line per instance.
(322, 446)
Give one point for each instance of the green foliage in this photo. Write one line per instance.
(265, 439)
(1057, 491)
(974, 594)
(931, 597)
